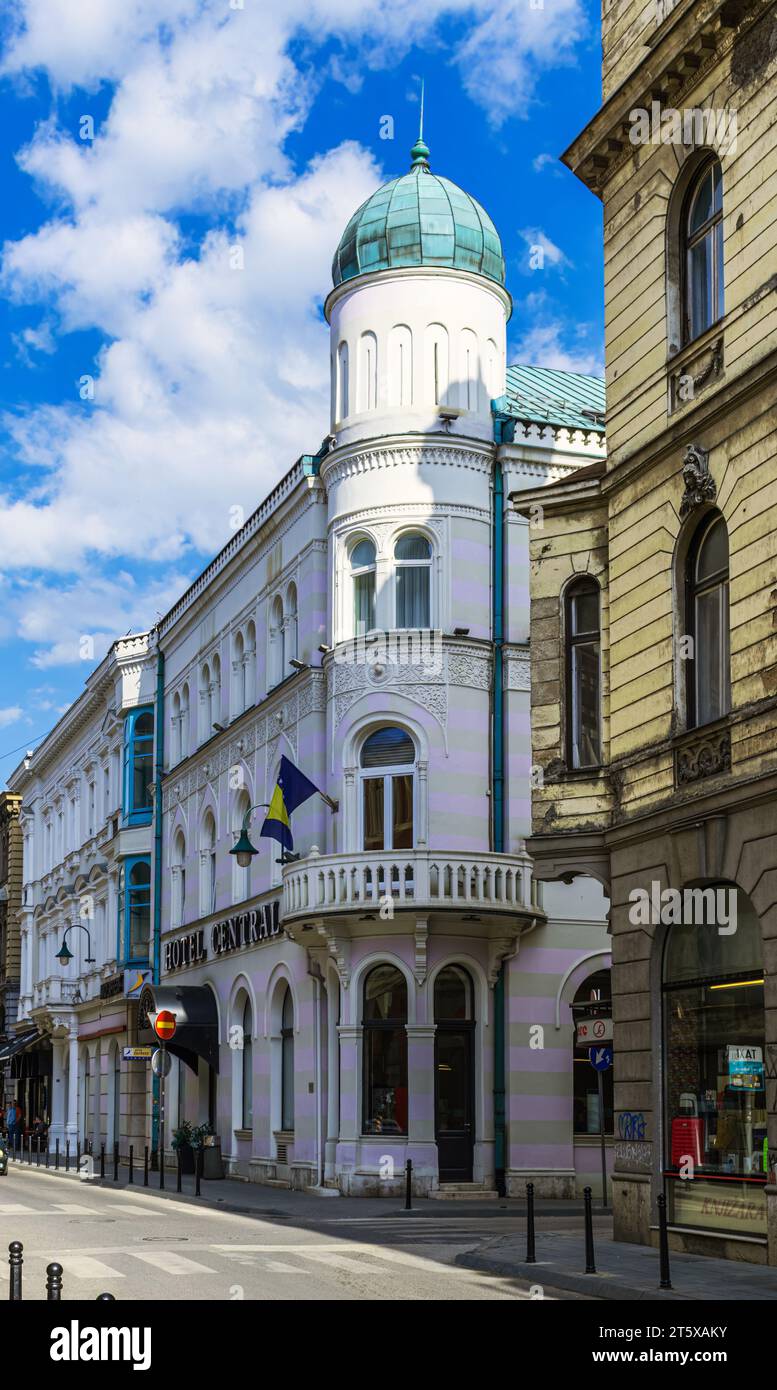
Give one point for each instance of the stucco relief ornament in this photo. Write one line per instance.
(698, 481)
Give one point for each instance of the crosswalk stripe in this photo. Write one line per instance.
(278, 1267)
(359, 1266)
(171, 1262)
(129, 1209)
(85, 1267)
(73, 1209)
(17, 1209)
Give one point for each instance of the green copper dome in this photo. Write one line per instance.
(417, 220)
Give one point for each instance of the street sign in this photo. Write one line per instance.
(137, 1054)
(134, 982)
(161, 1062)
(164, 1025)
(600, 1058)
(594, 1030)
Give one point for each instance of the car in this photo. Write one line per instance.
(3, 1157)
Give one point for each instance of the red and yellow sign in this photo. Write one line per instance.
(164, 1025)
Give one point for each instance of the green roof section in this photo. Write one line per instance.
(419, 219)
(548, 396)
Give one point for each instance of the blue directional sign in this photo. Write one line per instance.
(600, 1058)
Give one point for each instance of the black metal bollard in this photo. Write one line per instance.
(663, 1244)
(78, 1155)
(590, 1267)
(102, 1160)
(131, 1159)
(115, 1161)
(67, 1155)
(178, 1177)
(47, 1151)
(145, 1167)
(409, 1185)
(56, 1158)
(531, 1258)
(29, 1150)
(37, 1161)
(53, 1283)
(105, 1298)
(15, 1260)
(198, 1171)
(161, 1169)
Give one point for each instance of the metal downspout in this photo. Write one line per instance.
(159, 730)
(497, 783)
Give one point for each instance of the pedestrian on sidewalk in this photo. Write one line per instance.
(10, 1123)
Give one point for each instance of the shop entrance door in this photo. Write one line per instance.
(454, 1102)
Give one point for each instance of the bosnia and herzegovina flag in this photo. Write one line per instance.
(291, 789)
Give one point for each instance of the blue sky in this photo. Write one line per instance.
(149, 390)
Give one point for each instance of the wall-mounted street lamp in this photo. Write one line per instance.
(64, 955)
(243, 850)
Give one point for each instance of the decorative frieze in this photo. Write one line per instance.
(703, 756)
(698, 482)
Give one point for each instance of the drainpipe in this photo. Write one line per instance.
(159, 729)
(497, 802)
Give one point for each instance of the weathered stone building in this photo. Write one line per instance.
(10, 901)
(654, 619)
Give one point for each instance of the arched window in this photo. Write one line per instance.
(454, 1073)
(206, 704)
(215, 709)
(413, 576)
(363, 578)
(208, 865)
(175, 731)
(436, 365)
(342, 383)
(367, 384)
(179, 880)
(250, 665)
(592, 999)
(384, 1020)
(290, 619)
(387, 767)
(115, 1136)
(247, 1078)
(708, 671)
(278, 670)
(241, 878)
(238, 675)
(703, 251)
(185, 721)
(287, 1063)
(138, 908)
(400, 366)
(470, 370)
(713, 1066)
(583, 679)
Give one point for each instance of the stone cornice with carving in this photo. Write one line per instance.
(431, 451)
(517, 668)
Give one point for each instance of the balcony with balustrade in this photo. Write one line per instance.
(488, 887)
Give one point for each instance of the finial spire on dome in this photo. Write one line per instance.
(420, 150)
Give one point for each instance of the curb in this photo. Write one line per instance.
(599, 1286)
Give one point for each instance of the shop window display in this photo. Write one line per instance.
(714, 1040)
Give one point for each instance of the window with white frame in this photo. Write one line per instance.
(175, 730)
(277, 663)
(247, 1077)
(178, 866)
(208, 865)
(412, 581)
(206, 697)
(290, 620)
(387, 776)
(238, 675)
(362, 565)
(241, 878)
(250, 665)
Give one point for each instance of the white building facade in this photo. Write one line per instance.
(401, 989)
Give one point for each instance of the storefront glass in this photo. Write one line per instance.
(385, 1051)
(717, 1156)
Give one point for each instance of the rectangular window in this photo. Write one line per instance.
(402, 812)
(364, 603)
(137, 908)
(138, 765)
(374, 796)
(385, 1080)
(585, 704)
(413, 595)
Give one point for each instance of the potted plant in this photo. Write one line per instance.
(183, 1142)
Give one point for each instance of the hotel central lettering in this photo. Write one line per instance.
(231, 934)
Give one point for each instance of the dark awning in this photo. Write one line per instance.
(196, 1016)
(16, 1045)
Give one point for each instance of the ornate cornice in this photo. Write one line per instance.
(430, 450)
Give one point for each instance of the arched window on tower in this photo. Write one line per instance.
(362, 559)
(367, 382)
(400, 366)
(413, 580)
(436, 365)
(470, 370)
(341, 408)
(387, 774)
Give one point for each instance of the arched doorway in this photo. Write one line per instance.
(454, 1070)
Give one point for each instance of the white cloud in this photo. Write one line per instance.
(552, 256)
(211, 380)
(547, 161)
(10, 715)
(544, 344)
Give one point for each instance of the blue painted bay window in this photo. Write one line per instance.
(135, 910)
(138, 766)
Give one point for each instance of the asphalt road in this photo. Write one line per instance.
(138, 1246)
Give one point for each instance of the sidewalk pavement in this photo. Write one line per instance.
(260, 1199)
(623, 1271)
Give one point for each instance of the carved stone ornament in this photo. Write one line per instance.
(698, 482)
(704, 757)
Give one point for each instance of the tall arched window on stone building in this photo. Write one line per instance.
(363, 578)
(702, 229)
(708, 691)
(583, 672)
(384, 1020)
(413, 580)
(387, 776)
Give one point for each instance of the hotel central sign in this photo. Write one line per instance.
(233, 933)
